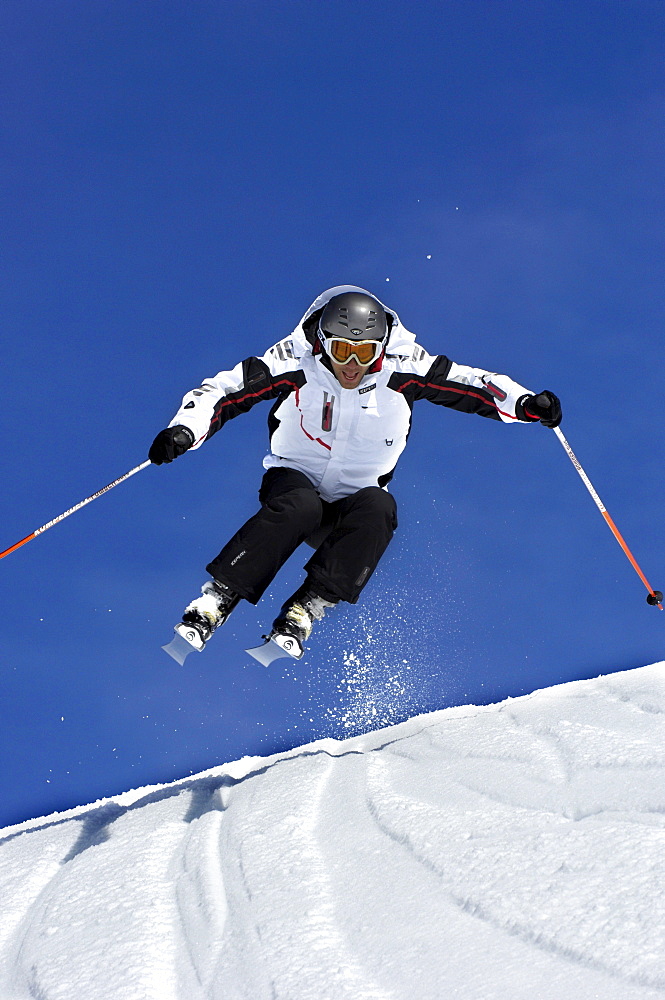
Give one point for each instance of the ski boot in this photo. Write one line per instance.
(293, 626)
(201, 618)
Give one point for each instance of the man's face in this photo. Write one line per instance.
(348, 375)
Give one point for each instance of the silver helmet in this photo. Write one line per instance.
(353, 316)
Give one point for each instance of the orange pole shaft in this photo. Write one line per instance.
(13, 548)
(603, 510)
(633, 561)
(72, 510)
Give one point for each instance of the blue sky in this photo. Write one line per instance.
(178, 182)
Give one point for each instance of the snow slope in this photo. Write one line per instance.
(510, 851)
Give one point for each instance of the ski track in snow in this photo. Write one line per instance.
(511, 851)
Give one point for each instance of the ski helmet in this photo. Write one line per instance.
(353, 316)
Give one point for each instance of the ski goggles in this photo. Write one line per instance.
(364, 351)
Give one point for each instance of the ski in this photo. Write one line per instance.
(276, 645)
(186, 639)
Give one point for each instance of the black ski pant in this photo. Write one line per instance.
(349, 535)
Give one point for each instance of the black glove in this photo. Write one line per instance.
(544, 407)
(170, 443)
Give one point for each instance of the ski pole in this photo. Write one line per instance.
(72, 510)
(654, 597)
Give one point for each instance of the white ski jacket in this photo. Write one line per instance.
(344, 439)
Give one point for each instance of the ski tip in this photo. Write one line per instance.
(274, 648)
(178, 648)
(266, 652)
(186, 638)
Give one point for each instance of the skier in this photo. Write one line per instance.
(344, 383)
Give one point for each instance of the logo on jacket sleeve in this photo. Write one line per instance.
(494, 389)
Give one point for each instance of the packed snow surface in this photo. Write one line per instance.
(514, 851)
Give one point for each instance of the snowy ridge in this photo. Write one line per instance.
(507, 851)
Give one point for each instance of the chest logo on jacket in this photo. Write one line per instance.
(327, 412)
